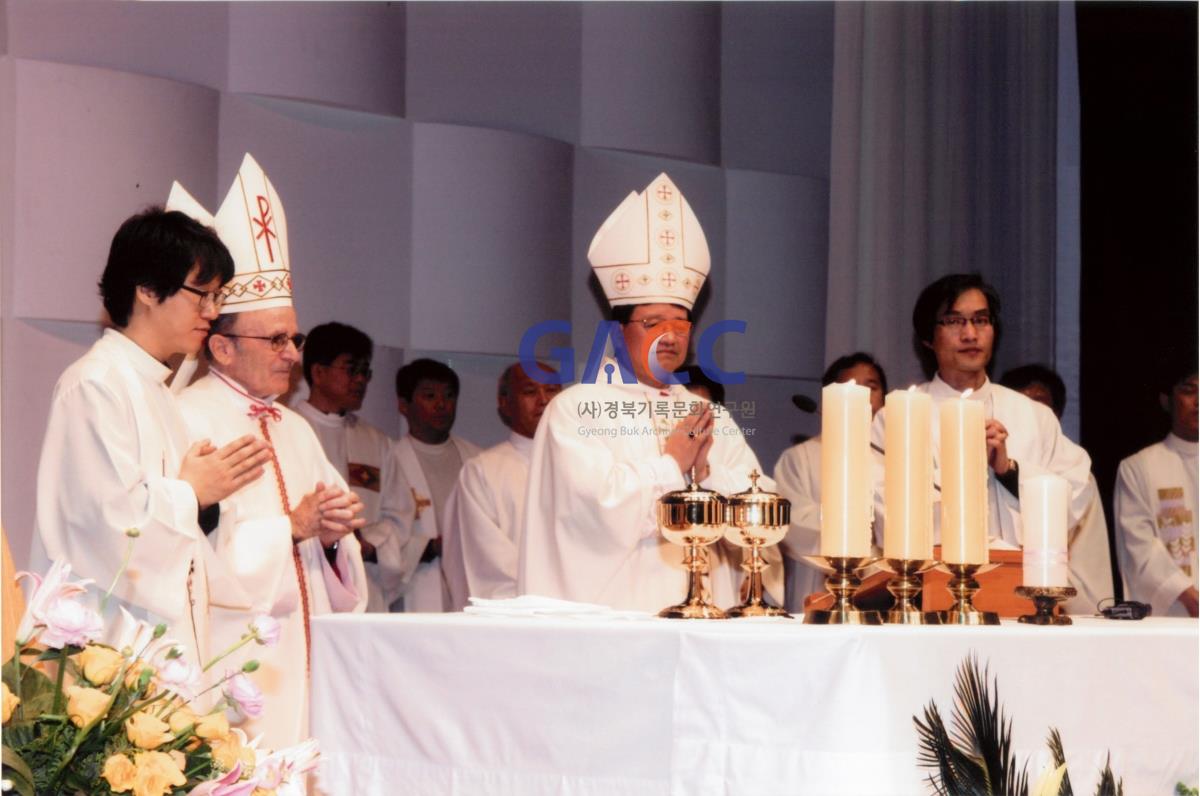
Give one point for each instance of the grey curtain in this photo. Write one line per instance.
(943, 159)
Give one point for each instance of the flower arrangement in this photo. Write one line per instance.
(976, 758)
(81, 717)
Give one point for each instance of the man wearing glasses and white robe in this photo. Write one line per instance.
(591, 530)
(289, 536)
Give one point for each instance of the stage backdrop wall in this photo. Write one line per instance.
(443, 166)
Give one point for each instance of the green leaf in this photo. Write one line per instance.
(17, 772)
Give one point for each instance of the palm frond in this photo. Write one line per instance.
(955, 772)
(1109, 784)
(981, 727)
(1060, 758)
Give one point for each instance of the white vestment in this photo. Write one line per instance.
(1154, 506)
(362, 455)
(798, 477)
(597, 472)
(425, 588)
(483, 522)
(110, 461)
(1035, 440)
(254, 540)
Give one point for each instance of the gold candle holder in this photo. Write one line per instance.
(905, 585)
(1044, 599)
(842, 582)
(963, 587)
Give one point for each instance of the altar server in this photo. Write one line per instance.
(1155, 506)
(479, 545)
(1087, 540)
(116, 454)
(956, 326)
(288, 537)
(606, 451)
(798, 474)
(427, 460)
(337, 367)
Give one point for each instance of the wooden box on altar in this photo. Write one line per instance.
(995, 587)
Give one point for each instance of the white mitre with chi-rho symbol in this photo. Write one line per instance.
(651, 249)
(252, 225)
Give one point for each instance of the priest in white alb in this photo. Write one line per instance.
(605, 452)
(116, 454)
(479, 544)
(1155, 504)
(288, 537)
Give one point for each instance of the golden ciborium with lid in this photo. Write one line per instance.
(694, 518)
(756, 519)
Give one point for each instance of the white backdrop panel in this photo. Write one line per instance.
(602, 180)
(776, 86)
(35, 354)
(514, 66)
(490, 236)
(92, 148)
(344, 179)
(651, 78)
(347, 54)
(777, 247)
(771, 419)
(181, 41)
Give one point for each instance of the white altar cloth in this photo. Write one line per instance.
(458, 704)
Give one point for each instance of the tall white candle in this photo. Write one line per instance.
(846, 504)
(964, 482)
(1044, 501)
(908, 476)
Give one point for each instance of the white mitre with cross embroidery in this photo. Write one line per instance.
(251, 224)
(651, 249)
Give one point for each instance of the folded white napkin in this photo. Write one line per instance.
(535, 605)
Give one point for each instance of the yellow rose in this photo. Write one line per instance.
(146, 731)
(11, 701)
(100, 664)
(157, 774)
(85, 705)
(134, 672)
(214, 725)
(263, 792)
(226, 750)
(180, 759)
(181, 719)
(119, 771)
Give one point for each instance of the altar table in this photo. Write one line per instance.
(459, 704)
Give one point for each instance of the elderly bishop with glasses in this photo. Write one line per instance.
(288, 538)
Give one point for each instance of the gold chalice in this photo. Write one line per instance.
(756, 519)
(694, 518)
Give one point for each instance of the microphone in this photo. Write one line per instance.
(804, 403)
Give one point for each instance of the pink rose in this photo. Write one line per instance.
(265, 629)
(69, 622)
(180, 676)
(245, 697)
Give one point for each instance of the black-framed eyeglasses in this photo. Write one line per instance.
(959, 322)
(278, 341)
(356, 369)
(214, 298)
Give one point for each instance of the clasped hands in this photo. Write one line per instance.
(328, 513)
(690, 441)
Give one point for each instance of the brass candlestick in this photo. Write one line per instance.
(1044, 599)
(963, 587)
(905, 585)
(695, 518)
(842, 582)
(756, 519)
